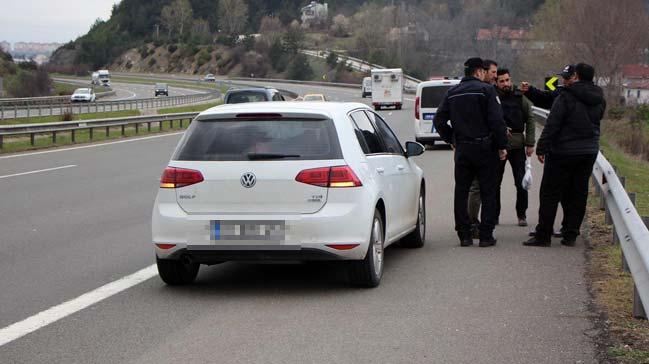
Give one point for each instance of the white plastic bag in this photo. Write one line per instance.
(527, 179)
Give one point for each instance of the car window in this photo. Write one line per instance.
(246, 96)
(277, 97)
(367, 133)
(389, 139)
(234, 140)
(432, 96)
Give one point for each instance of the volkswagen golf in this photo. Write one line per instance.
(288, 182)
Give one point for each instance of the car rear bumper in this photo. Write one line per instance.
(214, 254)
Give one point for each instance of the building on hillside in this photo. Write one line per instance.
(635, 84)
(409, 32)
(314, 14)
(504, 36)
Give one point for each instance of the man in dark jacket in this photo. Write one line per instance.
(568, 147)
(517, 111)
(470, 118)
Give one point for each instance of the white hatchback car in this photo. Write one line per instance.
(288, 181)
(428, 97)
(83, 95)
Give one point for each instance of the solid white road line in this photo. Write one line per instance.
(38, 171)
(51, 315)
(133, 94)
(91, 145)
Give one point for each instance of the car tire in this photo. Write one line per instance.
(177, 272)
(368, 272)
(417, 237)
(377, 107)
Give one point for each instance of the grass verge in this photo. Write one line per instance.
(634, 169)
(83, 136)
(189, 108)
(57, 118)
(61, 88)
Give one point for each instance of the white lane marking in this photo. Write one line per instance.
(38, 171)
(91, 145)
(409, 99)
(133, 94)
(53, 314)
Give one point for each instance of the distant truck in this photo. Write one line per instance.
(387, 88)
(95, 78)
(104, 77)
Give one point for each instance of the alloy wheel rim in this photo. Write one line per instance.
(422, 218)
(377, 247)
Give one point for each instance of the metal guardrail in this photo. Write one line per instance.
(45, 100)
(629, 229)
(16, 112)
(17, 131)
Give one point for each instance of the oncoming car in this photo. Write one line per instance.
(83, 95)
(314, 97)
(209, 78)
(429, 95)
(288, 182)
(161, 89)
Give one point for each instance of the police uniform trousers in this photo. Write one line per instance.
(476, 160)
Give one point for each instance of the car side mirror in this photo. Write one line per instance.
(414, 149)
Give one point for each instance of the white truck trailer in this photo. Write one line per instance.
(387, 88)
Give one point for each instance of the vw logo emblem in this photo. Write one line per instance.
(248, 180)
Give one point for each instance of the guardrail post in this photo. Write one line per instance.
(2, 112)
(15, 111)
(51, 109)
(161, 126)
(72, 136)
(54, 137)
(90, 133)
(123, 129)
(27, 109)
(40, 110)
(638, 309)
(107, 131)
(137, 128)
(31, 138)
(148, 126)
(1, 141)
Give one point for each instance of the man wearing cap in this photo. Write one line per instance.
(568, 148)
(544, 99)
(477, 130)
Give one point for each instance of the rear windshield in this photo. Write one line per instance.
(242, 140)
(246, 96)
(432, 96)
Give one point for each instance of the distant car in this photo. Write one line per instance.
(314, 97)
(428, 97)
(209, 78)
(256, 94)
(299, 98)
(366, 87)
(287, 181)
(83, 95)
(161, 89)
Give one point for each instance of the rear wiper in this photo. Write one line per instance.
(258, 156)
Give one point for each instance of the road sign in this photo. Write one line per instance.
(551, 83)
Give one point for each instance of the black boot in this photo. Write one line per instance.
(484, 243)
(465, 238)
(537, 241)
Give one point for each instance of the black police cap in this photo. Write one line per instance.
(474, 62)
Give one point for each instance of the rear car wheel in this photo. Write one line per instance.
(368, 272)
(417, 237)
(177, 272)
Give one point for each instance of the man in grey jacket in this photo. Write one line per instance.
(568, 148)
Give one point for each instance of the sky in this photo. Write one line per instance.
(50, 20)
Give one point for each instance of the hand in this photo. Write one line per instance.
(509, 133)
(541, 158)
(503, 154)
(529, 151)
(525, 86)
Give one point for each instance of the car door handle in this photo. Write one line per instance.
(380, 170)
(400, 167)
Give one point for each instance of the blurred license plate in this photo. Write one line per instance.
(429, 116)
(271, 230)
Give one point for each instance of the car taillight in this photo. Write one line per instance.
(417, 107)
(173, 177)
(334, 177)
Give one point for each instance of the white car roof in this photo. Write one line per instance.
(438, 83)
(332, 110)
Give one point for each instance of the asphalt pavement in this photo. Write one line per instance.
(75, 219)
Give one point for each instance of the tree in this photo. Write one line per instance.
(177, 17)
(293, 38)
(277, 56)
(340, 26)
(332, 59)
(604, 34)
(201, 32)
(233, 15)
(300, 69)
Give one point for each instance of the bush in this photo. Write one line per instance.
(616, 113)
(332, 59)
(144, 51)
(172, 48)
(67, 115)
(152, 61)
(300, 69)
(202, 57)
(129, 65)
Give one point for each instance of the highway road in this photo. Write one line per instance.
(76, 219)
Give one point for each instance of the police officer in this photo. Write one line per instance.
(477, 130)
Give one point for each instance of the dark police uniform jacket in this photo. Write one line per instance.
(474, 113)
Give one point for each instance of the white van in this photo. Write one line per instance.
(387, 88)
(366, 87)
(104, 77)
(95, 78)
(429, 95)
